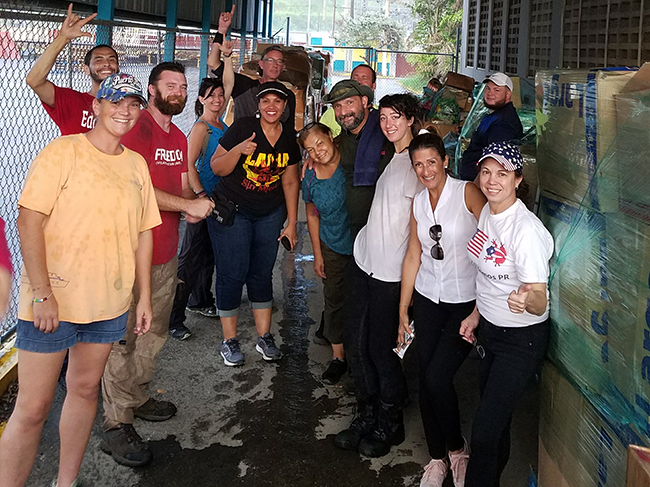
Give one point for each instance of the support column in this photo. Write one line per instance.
(243, 26)
(206, 19)
(265, 22)
(170, 36)
(256, 20)
(270, 18)
(105, 11)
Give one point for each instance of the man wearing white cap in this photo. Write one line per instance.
(501, 125)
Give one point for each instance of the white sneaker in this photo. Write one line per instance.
(458, 466)
(435, 473)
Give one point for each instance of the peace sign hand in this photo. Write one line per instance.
(71, 28)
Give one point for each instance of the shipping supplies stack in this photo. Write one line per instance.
(593, 137)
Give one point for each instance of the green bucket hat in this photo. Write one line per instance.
(347, 88)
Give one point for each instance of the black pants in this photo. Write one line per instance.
(371, 308)
(512, 357)
(195, 271)
(441, 351)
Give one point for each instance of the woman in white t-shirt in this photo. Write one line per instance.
(442, 282)
(372, 302)
(511, 251)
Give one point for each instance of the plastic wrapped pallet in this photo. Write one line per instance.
(580, 445)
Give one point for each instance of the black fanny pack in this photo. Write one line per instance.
(224, 209)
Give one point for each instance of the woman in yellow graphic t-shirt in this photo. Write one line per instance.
(86, 214)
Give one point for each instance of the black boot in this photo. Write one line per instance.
(388, 431)
(362, 424)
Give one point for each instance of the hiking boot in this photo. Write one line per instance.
(266, 346)
(231, 353)
(126, 447)
(207, 311)
(435, 473)
(180, 332)
(336, 369)
(361, 425)
(154, 410)
(387, 431)
(458, 465)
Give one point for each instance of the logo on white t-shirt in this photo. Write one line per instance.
(496, 253)
(475, 245)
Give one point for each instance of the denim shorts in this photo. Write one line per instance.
(68, 334)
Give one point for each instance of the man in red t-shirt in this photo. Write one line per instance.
(72, 110)
(132, 361)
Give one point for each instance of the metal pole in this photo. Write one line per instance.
(288, 25)
(170, 36)
(308, 15)
(243, 26)
(256, 20)
(270, 18)
(105, 11)
(205, 27)
(334, 19)
(458, 32)
(265, 13)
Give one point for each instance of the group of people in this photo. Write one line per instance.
(404, 249)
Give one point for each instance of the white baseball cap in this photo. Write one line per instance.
(500, 79)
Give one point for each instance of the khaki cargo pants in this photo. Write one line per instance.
(132, 361)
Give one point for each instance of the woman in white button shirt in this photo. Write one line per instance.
(441, 280)
(511, 250)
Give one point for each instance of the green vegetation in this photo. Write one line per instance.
(371, 31)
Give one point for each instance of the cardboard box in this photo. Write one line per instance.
(460, 81)
(576, 125)
(579, 341)
(579, 446)
(638, 466)
(444, 128)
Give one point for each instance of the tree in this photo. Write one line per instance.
(371, 31)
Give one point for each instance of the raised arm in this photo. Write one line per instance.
(225, 19)
(228, 78)
(37, 77)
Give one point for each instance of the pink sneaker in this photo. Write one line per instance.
(435, 473)
(458, 464)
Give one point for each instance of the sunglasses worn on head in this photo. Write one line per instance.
(435, 232)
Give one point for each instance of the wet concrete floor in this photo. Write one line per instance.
(268, 424)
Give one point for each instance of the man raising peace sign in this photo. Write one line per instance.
(72, 110)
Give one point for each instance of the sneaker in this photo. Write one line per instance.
(75, 483)
(434, 473)
(266, 346)
(207, 311)
(231, 353)
(126, 447)
(180, 332)
(336, 369)
(458, 465)
(154, 410)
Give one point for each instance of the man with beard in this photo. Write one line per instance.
(244, 93)
(132, 361)
(501, 125)
(72, 110)
(365, 152)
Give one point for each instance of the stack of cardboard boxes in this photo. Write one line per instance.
(458, 88)
(593, 130)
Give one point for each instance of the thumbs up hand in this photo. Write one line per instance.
(518, 300)
(247, 147)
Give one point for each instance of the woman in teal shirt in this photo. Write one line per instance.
(323, 190)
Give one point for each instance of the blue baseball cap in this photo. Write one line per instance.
(120, 85)
(504, 153)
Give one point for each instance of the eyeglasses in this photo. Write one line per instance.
(435, 232)
(279, 62)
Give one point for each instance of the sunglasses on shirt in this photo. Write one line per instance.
(435, 232)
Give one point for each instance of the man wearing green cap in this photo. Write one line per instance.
(364, 152)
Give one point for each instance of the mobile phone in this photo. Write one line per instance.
(218, 38)
(286, 243)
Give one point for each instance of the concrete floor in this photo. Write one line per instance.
(272, 424)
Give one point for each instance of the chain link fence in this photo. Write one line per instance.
(25, 126)
(397, 71)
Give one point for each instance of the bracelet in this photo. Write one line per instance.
(200, 193)
(227, 55)
(42, 300)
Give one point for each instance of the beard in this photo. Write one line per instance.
(494, 106)
(96, 77)
(351, 124)
(166, 107)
